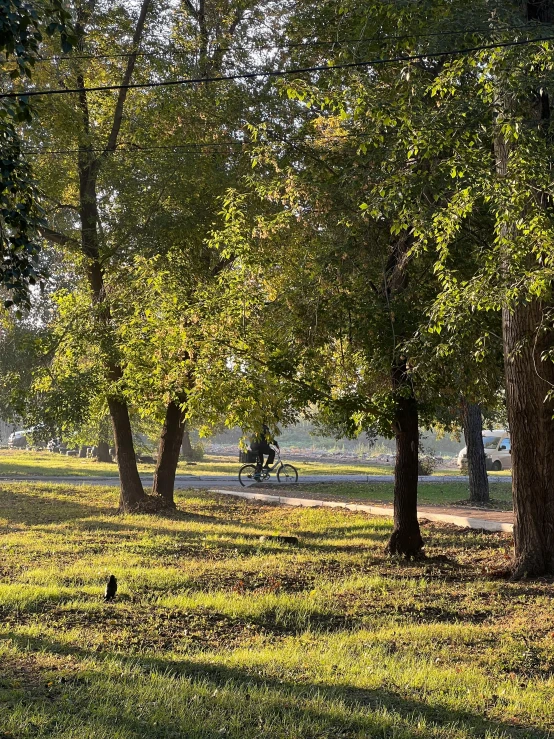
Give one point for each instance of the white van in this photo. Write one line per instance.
(498, 449)
(18, 440)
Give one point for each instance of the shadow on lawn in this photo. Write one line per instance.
(36, 508)
(227, 692)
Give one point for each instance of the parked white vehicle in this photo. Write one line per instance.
(18, 440)
(498, 449)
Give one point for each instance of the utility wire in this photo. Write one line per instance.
(200, 147)
(349, 137)
(291, 45)
(127, 148)
(136, 149)
(275, 73)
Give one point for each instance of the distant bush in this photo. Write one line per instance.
(197, 453)
(426, 464)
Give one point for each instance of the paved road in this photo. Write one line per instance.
(206, 481)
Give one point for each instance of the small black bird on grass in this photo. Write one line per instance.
(111, 588)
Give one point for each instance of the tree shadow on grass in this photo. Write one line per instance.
(33, 508)
(244, 702)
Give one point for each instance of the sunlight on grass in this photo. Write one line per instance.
(429, 493)
(24, 462)
(216, 633)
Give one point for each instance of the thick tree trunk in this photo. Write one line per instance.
(131, 486)
(103, 454)
(529, 380)
(168, 452)
(132, 492)
(472, 421)
(530, 415)
(186, 447)
(89, 164)
(406, 537)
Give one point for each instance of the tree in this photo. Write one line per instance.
(500, 98)
(94, 147)
(472, 424)
(22, 28)
(334, 205)
(147, 204)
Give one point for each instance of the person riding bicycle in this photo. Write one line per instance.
(260, 445)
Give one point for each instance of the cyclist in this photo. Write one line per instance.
(260, 444)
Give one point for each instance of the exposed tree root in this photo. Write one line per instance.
(406, 544)
(151, 504)
(528, 567)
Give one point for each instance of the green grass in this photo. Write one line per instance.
(429, 493)
(23, 462)
(216, 634)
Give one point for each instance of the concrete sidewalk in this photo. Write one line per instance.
(472, 518)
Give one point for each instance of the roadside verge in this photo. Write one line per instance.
(486, 520)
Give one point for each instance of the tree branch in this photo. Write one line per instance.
(192, 10)
(118, 113)
(219, 53)
(63, 206)
(58, 238)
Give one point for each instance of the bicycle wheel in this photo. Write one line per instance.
(246, 474)
(287, 473)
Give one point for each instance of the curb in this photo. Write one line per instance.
(466, 522)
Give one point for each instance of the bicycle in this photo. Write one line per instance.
(286, 473)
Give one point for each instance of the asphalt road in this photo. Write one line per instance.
(206, 481)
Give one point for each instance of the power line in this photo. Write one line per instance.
(132, 149)
(192, 147)
(188, 148)
(349, 136)
(275, 73)
(291, 45)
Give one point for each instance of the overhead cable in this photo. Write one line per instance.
(275, 73)
(290, 45)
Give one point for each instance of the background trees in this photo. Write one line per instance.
(366, 235)
(22, 28)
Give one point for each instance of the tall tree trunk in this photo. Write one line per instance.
(89, 165)
(168, 452)
(103, 453)
(528, 380)
(132, 492)
(186, 447)
(472, 421)
(528, 383)
(406, 537)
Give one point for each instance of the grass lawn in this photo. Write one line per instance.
(216, 634)
(430, 493)
(23, 462)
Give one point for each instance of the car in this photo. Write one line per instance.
(498, 450)
(18, 440)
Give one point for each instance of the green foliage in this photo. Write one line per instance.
(197, 453)
(21, 32)
(370, 228)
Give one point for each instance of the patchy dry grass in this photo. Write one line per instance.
(216, 634)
